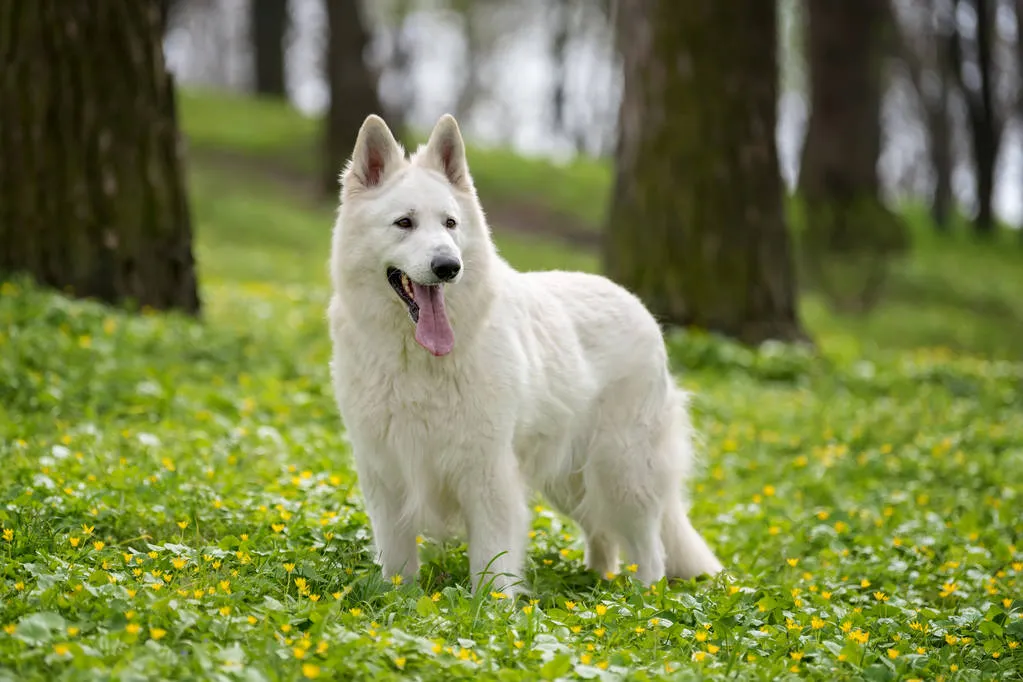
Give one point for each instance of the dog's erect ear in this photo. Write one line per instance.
(375, 156)
(445, 151)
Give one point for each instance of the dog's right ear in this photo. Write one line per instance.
(376, 155)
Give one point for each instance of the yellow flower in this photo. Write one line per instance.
(61, 649)
(880, 596)
(252, 620)
(498, 595)
(310, 670)
(713, 648)
(98, 545)
(893, 653)
(298, 652)
(1013, 644)
(699, 656)
(179, 562)
(400, 662)
(921, 650)
(570, 605)
(792, 562)
(864, 583)
(859, 636)
(132, 628)
(314, 597)
(72, 631)
(769, 490)
(355, 612)
(396, 580)
(841, 526)
(701, 636)
(796, 655)
(75, 541)
(951, 639)
(225, 610)
(599, 632)
(817, 623)
(8, 534)
(600, 609)
(288, 568)
(183, 524)
(225, 585)
(823, 515)
(825, 595)
(157, 633)
(10, 628)
(632, 568)
(277, 527)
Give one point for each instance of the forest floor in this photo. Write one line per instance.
(179, 503)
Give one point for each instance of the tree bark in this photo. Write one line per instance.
(92, 196)
(268, 20)
(696, 227)
(353, 92)
(848, 230)
(985, 124)
(926, 52)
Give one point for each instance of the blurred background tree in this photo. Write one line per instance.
(268, 23)
(849, 233)
(92, 196)
(696, 225)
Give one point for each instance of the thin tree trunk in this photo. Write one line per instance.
(268, 20)
(848, 229)
(92, 197)
(696, 225)
(353, 93)
(985, 124)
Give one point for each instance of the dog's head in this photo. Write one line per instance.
(410, 227)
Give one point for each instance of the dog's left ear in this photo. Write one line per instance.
(445, 151)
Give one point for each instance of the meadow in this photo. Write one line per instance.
(178, 500)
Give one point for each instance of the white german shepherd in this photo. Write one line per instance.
(464, 384)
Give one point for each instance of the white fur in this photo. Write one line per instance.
(557, 382)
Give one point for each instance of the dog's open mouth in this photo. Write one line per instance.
(425, 303)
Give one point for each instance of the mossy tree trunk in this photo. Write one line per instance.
(92, 198)
(353, 93)
(849, 233)
(268, 20)
(696, 226)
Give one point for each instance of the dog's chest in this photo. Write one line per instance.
(411, 406)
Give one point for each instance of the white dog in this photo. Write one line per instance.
(464, 384)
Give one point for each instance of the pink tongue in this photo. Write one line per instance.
(433, 331)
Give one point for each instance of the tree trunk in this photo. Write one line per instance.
(1019, 70)
(353, 93)
(848, 230)
(696, 227)
(92, 197)
(268, 19)
(986, 127)
(985, 124)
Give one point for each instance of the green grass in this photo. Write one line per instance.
(179, 503)
(272, 132)
(178, 500)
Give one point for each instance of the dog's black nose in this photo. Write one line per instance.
(445, 267)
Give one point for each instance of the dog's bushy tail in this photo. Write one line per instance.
(686, 552)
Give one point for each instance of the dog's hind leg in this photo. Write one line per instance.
(601, 552)
(686, 552)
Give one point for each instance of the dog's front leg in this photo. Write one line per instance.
(393, 533)
(494, 504)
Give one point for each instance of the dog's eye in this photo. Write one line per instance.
(404, 223)
(450, 223)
